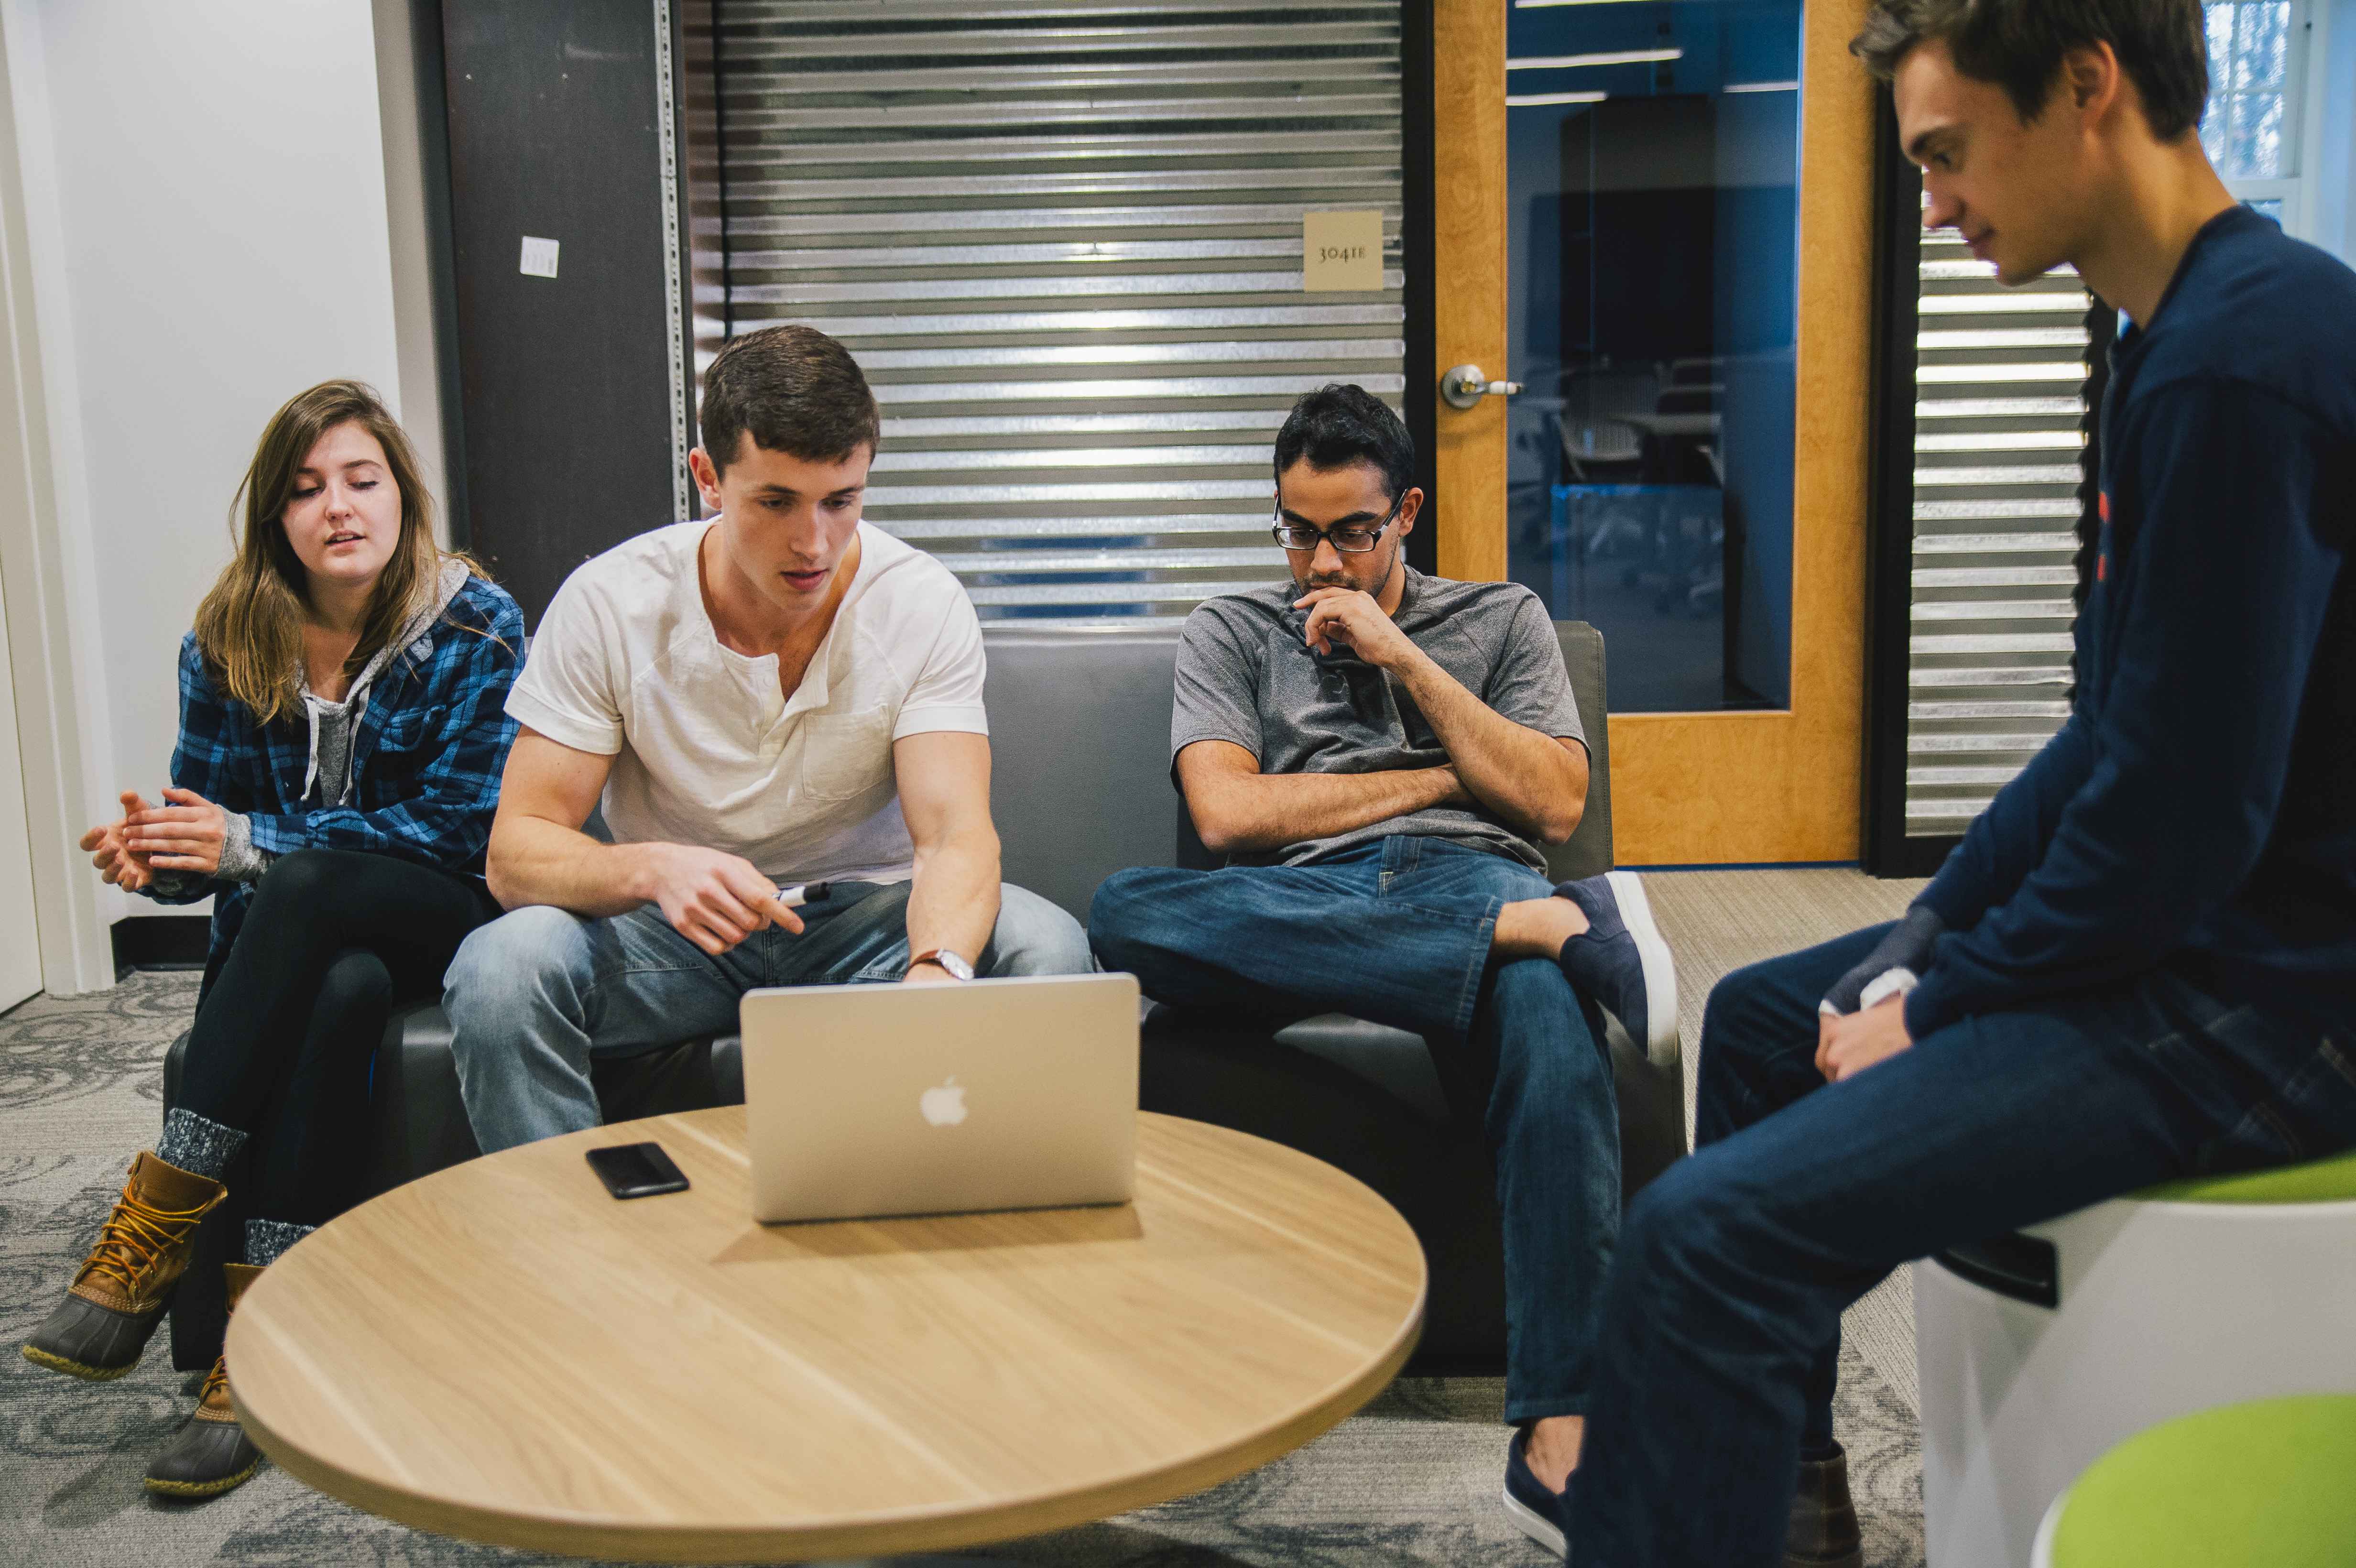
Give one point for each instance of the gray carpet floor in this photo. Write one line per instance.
(1412, 1480)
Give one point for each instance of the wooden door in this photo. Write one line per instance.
(1707, 787)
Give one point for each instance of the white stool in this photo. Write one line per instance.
(2038, 1351)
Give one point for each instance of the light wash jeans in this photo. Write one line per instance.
(538, 993)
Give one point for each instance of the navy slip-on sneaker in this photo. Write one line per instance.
(1621, 959)
(1535, 1510)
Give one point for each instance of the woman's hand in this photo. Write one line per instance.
(115, 860)
(185, 836)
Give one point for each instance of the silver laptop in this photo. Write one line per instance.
(866, 1101)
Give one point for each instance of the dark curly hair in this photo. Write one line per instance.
(1337, 426)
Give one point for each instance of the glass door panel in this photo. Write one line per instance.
(1651, 158)
(1668, 433)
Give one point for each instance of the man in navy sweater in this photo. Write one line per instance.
(2141, 961)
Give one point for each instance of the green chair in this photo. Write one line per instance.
(2042, 1350)
(2266, 1484)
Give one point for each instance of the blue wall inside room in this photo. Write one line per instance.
(1755, 259)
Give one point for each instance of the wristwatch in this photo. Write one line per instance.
(954, 966)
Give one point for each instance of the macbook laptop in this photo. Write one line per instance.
(866, 1101)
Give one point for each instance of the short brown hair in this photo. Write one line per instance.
(794, 389)
(2018, 44)
(250, 626)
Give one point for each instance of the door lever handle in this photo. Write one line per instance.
(1465, 385)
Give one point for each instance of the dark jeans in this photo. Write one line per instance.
(287, 1027)
(1721, 1322)
(1399, 933)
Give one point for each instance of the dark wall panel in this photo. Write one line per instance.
(565, 381)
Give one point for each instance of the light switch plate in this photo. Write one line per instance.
(539, 257)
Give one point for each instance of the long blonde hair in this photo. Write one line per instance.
(250, 628)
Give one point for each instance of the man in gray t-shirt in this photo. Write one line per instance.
(1381, 755)
(1246, 676)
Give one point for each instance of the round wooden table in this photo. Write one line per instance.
(501, 1351)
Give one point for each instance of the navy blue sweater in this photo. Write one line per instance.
(2198, 810)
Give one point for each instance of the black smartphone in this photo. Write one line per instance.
(636, 1170)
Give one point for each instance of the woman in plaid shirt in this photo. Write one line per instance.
(342, 732)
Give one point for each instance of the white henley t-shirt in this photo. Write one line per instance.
(707, 750)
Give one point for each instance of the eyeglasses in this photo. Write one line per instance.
(1355, 538)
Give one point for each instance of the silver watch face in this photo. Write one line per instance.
(955, 965)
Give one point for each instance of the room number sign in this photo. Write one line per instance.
(1341, 250)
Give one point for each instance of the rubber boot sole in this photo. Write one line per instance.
(202, 1489)
(57, 1363)
(1660, 965)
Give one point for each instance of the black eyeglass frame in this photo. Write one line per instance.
(1330, 536)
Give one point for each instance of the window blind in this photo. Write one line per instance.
(2001, 413)
(1063, 238)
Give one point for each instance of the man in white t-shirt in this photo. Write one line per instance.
(779, 696)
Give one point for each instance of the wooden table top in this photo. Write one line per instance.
(500, 1352)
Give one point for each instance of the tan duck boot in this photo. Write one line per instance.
(211, 1453)
(119, 1293)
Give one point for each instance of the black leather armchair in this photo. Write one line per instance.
(1080, 724)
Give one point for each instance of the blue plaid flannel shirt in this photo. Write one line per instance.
(426, 756)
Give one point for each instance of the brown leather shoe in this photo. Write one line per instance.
(211, 1453)
(122, 1289)
(1824, 1520)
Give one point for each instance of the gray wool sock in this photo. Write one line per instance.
(197, 1146)
(266, 1239)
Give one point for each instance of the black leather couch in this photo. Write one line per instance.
(1080, 724)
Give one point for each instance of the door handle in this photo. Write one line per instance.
(1465, 385)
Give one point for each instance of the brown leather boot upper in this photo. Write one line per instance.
(146, 1242)
(1824, 1520)
(213, 1403)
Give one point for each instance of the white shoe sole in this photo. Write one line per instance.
(1660, 968)
(1534, 1525)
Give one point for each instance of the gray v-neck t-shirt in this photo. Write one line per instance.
(1245, 676)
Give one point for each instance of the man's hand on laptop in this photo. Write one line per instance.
(713, 899)
(1343, 617)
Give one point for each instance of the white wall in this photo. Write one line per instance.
(220, 171)
(420, 396)
(204, 197)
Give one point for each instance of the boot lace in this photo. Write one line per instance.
(136, 1236)
(216, 1383)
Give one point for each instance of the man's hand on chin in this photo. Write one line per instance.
(1343, 617)
(1849, 1044)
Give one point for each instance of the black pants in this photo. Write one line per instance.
(287, 1026)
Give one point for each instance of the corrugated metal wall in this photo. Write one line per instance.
(1064, 239)
(2000, 378)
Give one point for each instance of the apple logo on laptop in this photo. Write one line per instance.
(944, 1107)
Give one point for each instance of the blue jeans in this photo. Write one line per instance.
(1721, 1322)
(1399, 933)
(539, 992)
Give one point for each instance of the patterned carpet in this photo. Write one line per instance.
(1412, 1480)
